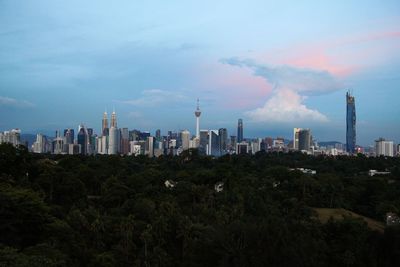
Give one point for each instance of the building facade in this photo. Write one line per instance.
(350, 123)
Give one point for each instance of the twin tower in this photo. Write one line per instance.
(112, 132)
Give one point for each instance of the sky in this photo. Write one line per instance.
(275, 64)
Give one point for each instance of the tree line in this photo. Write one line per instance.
(61, 210)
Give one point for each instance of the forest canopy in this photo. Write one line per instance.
(193, 210)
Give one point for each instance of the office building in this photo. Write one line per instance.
(185, 138)
(13, 137)
(384, 147)
(296, 138)
(124, 141)
(113, 120)
(242, 148)
(158, 135)
(149, 150)
(240, 131)
(350, 124)
(203, 147)
(113, 141)
(83, 139)
(40, 145)
(213, 143)
(304, 139)
(104, 124)
(69, 135)
(223, 140)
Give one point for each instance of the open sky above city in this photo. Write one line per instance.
(275, 64)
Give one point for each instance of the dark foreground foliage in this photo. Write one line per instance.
(116, 211)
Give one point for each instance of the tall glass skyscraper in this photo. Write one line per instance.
(350, 123)
(240, 131)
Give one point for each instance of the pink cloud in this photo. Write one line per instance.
(235, 88)
(341, 57)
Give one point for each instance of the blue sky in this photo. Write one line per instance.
(276, 64)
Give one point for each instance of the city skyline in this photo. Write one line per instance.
(277, 66)
(113, 140)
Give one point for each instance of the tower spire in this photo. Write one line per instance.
(197, 113)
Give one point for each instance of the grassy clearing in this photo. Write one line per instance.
(338, 214)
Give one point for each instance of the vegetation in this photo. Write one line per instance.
(117, 211)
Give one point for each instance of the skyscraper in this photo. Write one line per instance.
(113, 120)
(113, 141)
(223, 140)
(124, 141)
(213, 143)
(69, 136)
(383, 147)
(149, 146)
(83, 139)
(158, 135)
(240, 131)
(185, 137)
(296, 138)
(104, 124)
(197, 113)
(350, 123)
(304, 139)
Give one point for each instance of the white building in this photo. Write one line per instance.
(40, 146)
(185, 137)
(296, 132)
(13, 137)
(149, 150)
(383, 148)
(113, 141)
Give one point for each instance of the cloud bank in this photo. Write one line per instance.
(291, 86)
(15, 103)
(154, 97)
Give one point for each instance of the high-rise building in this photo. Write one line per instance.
(185, 138)
(304, 139)
(203, 147)
(13, 137)
(124, 141)
(384, 147)
(83, 139)
(113, 120)
(149, 150)
(296, 138)
(223, 140)
(350, 124)
(39, 146)
(240, 131)
(233, 143)
(158, 135)
(134, 135)
(58, 144)
(213, 143)
(197, 113)
(69, 135)
(104, 124)
(242, 148)
(113, 141)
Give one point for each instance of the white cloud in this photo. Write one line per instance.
(153, 97)
(285, 106)
(291, 86)
(16, 103)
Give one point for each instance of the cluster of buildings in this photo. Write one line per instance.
(113, 140)
(13, 137)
